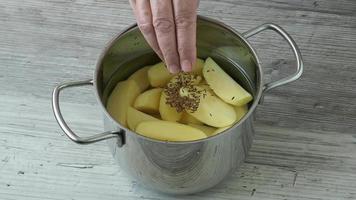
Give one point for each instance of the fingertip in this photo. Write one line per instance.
(186, 66)
(174, 69)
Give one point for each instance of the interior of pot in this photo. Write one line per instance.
(130, 52)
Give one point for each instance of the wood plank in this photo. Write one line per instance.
(305, 142)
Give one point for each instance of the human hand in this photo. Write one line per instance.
(169, 26)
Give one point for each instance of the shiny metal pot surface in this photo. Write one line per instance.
(180, 167)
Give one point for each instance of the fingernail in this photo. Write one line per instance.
(174, 69)
(186, 66)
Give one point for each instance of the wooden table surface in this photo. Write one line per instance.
(305, 144)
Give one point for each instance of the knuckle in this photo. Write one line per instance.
(185, 51)
(184, 20)
(163, 25)
(146, 28)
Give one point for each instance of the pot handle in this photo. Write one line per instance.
(292, 44)
(61, 122)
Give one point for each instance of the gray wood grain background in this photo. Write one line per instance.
(305, 146)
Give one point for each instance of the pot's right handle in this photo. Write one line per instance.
(62, 123)
(292, 44)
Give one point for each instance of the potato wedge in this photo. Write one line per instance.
(198, 67)
(167, 112)
(213, 111)
(169, 131)
(141, 78)
(134, 117)
(223, 85)
(219, 130)
(148, 101)
(189, 119)
(123, 96)
(208, 130)
(241, 111)
(158, 75)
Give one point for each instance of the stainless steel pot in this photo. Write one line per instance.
(180, 167)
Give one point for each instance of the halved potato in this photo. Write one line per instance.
(208, 130)
(158, 75)
(241, 111)
(223, 85)
(141, 78)
(148, 101)
(134, 117)
(189, 119)
(169, 131)
(213, 111)
(167, 112)
(123, 96)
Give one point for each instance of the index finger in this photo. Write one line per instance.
(185, 14)
(163, 22)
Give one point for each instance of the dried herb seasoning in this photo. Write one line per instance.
(182, 94)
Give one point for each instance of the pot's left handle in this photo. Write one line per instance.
(61, 122)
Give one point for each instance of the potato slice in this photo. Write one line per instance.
(213, 111)
(169, 131)
(223, 85)
(189, 119)
(148, 101)
(141, 78)
(134, 117)
(123, 96)
(158, 75)
(241, 111)
(167, 112)
(206, 129)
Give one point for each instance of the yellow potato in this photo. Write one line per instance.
(121, 98)
(223, 85)
(158, 75)
(148, 101)
(241, 112)
(169, 131)
(213, 111)
(141, 78)
(198, 67)
(219, 130)
(134, 117)
(167, 112)
(206, 129)
(189, 119)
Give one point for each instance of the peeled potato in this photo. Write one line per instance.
(134, 117)
(223, 85)
(158, 75)
(167, 112)
(121, 98)
(141, 78)
(219, 130)
(198, 67)
(169, 131)
(206, 129)
(149, 101)
(241, 112)
(189, 119)
(213, 111)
